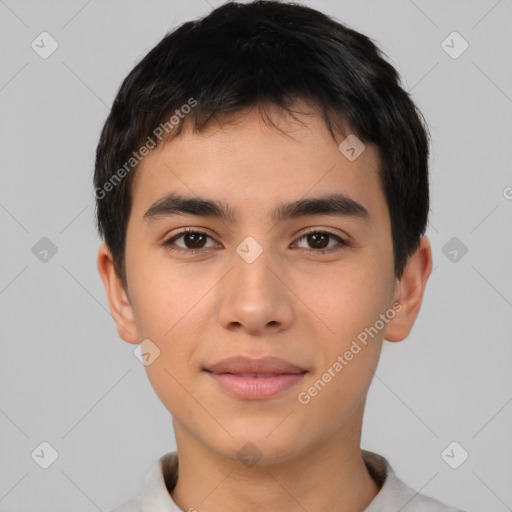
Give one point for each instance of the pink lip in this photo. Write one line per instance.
(241, 364)
(235, 375)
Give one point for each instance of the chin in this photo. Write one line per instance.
(254, 445)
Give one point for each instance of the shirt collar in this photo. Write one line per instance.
(393, 495)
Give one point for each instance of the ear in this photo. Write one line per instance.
(118, 301)
(409, 292)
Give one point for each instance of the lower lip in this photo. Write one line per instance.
(255, 388)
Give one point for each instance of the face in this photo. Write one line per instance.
(302, 286)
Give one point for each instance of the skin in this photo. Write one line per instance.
(302, 306)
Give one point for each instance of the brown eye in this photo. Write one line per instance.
(319, 241)
(192, 241)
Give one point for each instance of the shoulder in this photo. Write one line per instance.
(395, 494)
(409, 500)
(155, 493)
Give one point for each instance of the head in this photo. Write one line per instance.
(236, 127)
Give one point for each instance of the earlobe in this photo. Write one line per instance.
(409, 292)
(118, 302)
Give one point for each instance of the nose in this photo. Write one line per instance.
(255, 297)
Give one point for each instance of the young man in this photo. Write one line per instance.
(262, 190)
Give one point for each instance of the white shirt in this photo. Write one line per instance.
(393, 496)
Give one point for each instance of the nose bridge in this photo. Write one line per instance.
(252, 269)
(253, 296)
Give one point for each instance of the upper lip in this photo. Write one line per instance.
(264, 365)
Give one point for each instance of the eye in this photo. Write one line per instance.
(319, 240)
(194, 241)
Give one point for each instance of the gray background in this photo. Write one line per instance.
(67, 378)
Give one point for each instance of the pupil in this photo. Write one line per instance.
(314, 238)
(318, 240)
(195, 238)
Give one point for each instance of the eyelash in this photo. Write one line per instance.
(177, 236)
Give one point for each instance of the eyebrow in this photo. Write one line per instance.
(332, 204)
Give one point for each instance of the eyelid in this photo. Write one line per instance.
(184, 231)
(320, 230)
(342, 241)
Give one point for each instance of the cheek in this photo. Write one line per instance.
(163, 295)
(350, 298)
(349, 357)
(169, 308)
(167, 303)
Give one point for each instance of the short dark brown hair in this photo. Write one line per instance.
(265, 52)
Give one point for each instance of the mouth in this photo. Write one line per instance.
(255, 379)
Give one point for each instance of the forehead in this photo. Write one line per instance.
(254, 160)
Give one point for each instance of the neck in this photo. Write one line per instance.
(330, 476)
